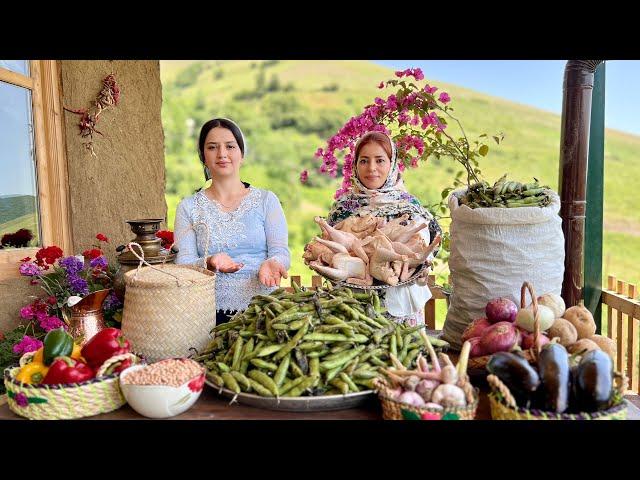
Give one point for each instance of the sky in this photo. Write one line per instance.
(537, 83)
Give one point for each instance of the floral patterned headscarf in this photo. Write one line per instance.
(391, 200)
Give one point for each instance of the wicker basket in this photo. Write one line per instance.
(169, 310)
(66, 401)
(480, 363)
(394, 410)
(503, 405)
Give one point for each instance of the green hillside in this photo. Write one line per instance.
(287, 109)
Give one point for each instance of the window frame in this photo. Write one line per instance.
(44, 83)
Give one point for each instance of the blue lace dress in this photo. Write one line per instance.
(252, 233)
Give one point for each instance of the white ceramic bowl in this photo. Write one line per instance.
(160, 401)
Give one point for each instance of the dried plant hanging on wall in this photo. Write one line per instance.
(108, 97)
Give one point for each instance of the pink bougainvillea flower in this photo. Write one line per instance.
(381, 85)
(429, 89)
(444, 97)
(304, 176)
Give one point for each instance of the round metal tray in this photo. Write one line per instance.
(297, 404)
(379, 286)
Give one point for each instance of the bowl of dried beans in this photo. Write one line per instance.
(163, 389)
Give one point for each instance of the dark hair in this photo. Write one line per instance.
(218, 122)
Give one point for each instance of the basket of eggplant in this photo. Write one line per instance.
(558, 386)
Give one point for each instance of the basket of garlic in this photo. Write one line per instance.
(370, 253)
(440, 391)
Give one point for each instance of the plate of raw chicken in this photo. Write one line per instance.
(368, 252)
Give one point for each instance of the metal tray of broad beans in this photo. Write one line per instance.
(297, 404)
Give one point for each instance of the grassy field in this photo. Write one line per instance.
(196, 91)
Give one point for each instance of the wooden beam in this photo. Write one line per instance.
(16, 78)
(595, 199)
(574, 148)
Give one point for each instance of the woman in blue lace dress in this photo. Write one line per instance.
(239, 230)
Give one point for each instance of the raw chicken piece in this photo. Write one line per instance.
(347, 239)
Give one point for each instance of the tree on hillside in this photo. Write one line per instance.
(274, 83)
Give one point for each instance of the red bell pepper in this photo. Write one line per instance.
(104, 345)
(67, 370)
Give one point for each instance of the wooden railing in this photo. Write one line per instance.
(623, 326)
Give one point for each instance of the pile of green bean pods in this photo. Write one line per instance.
(506, 194)
(307, 343)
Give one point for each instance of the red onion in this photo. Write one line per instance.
(476, 348)
(475, 329)
(500, 337)
(527, 340)
(501, 310)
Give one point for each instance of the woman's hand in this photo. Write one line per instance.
(271, 272)
(221, 262)
(424, 275)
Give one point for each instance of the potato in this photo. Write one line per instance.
(565, 330)
(606, 345)
(584, 344)
(581, 318)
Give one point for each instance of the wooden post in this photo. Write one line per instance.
(595, 200)
(574, 149)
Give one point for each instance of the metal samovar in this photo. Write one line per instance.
(145, 230)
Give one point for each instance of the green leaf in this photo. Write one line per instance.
(484, 149)
(497, 139)
(483, 135)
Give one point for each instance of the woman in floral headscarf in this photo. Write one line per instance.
(377, 189)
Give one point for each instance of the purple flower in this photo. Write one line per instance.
(71, 264)
(78, 285)
(21, 399)
(26, 345)
(51, 323)
(99, 262)
(29, 269)
(112, 302)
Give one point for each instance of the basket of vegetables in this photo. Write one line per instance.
(507, 328)
(559, 386)
(440, 391)
(62, 380)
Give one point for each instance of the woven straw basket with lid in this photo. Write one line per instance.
(169, 310)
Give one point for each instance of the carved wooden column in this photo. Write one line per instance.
(574, 152)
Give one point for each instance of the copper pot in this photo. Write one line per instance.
(87, 317)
